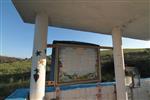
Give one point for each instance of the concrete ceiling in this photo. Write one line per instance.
(98, 16)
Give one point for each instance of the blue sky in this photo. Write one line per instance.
(16, 37)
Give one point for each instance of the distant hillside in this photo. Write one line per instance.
(138, 58)
(4, 59)
(134, 50)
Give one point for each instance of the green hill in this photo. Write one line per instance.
(5, 59)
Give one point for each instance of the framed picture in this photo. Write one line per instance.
(75, 63)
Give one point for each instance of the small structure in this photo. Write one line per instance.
(75, 62)
(132, 80)
(75, 73)
(119, 18)
(132, 77)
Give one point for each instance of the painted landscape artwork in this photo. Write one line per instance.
(78, 64)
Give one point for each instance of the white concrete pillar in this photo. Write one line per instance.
(119, 64)
(38, 70)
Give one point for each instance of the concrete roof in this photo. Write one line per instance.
(98, 16)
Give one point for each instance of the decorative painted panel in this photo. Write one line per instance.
(77, 64)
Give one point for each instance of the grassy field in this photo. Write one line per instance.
(15, 67)
(15, 72)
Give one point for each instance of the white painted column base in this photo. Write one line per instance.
(119, 64)
(38, 70)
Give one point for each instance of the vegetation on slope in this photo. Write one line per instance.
(139, 58)
(4, 59)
